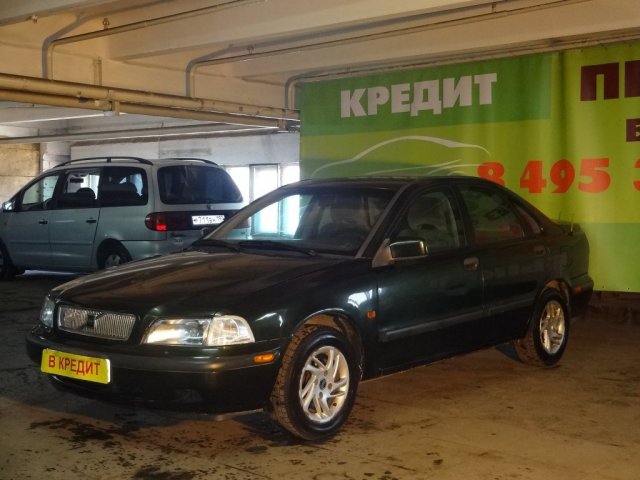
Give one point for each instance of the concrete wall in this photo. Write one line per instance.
(18, 165)
(227, 151)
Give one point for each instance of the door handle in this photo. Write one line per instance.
(471, 263)
(539, 251)
(91, 220)
(42, 222)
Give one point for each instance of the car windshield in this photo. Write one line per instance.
(325, 220)
(190, 184)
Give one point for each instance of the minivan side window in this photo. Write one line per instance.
(123, 186)
(79, 189)
(38, 196)
(492, 215)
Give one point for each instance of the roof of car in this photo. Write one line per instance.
(135, 160)
(388, 182)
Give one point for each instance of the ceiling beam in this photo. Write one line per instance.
(13, 11)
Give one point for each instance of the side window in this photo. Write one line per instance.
(492, 216)
(38, 196)
(431, 218)
(123, 186)
(79, 189)
(534, 226)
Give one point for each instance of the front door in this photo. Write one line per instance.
(28, 229)
(430, 305)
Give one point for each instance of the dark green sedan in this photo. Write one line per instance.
(291, 302)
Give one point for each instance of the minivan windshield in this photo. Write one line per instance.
(191, 184)
(329, 219)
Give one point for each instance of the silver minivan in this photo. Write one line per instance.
(92, 213)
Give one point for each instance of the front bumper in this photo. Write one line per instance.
(172, 377)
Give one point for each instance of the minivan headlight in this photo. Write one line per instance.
(46, 313)
(219, 330)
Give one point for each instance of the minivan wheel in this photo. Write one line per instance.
(548, 333)
(113, 255)
(316, 385)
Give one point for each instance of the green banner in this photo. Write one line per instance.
(560, 129)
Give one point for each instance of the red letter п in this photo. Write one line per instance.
(633, 130)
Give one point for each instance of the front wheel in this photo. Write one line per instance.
(548, 333)
(316, 385)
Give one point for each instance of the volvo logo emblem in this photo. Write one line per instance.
(91, 320)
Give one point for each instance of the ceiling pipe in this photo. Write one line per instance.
(216, 57)
(107, 94)
(115, 107)
(80, 20)
(483, 11)
(51, 44)
(146, 133)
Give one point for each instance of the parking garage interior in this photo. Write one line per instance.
(249, 85)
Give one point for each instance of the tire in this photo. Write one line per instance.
(7, 270)
(113, 255)
(319, 364)
(548, 332)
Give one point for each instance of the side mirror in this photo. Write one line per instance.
(389, 252)
(408, 249)
(8, 206)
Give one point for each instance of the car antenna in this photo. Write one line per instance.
(573, 216)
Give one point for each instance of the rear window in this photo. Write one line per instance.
(196, 184)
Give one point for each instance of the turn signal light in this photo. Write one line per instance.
(264, 358)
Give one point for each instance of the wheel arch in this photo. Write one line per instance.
(556, 285)
(342, 323)
(105, 245)
(561, 287)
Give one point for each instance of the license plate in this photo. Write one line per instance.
(207, 219)
(79, 367)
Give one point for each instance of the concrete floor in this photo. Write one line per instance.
(481, 416)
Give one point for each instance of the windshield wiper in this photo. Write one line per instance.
(212, 242)
(276, 246)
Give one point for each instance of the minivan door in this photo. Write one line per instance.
(29, 224)
(73, 222)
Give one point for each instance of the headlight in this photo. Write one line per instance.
(46, 313)
(217, 331)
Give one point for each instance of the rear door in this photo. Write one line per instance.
(29, 224)
(73, 222)
(511, 255)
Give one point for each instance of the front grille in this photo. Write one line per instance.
(95, 323)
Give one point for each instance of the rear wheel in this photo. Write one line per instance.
(548, 333)
(113, 255)
(316, 385)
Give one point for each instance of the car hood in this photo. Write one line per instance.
(189, 281)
